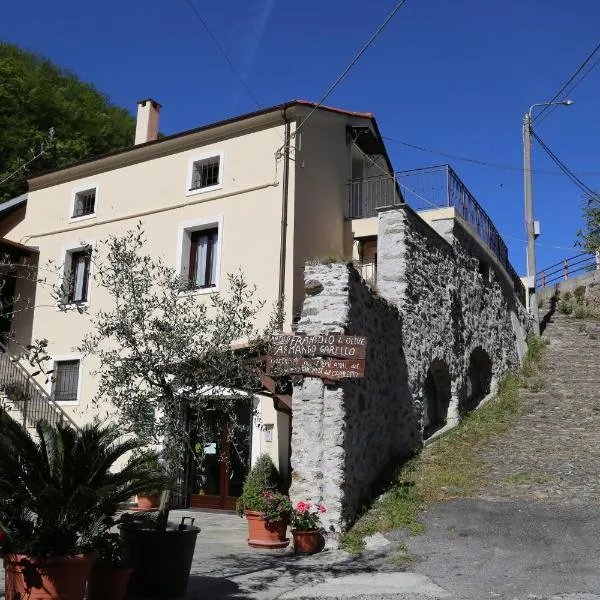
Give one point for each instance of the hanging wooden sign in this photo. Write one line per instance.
(326, 368)
(326, 344)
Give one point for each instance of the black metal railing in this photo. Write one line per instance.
(85, 203)
(583, 262)
(23, 393)
(425, 189)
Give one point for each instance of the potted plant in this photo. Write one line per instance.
(266, 509)
(57, 494)
(149, 499)
(306, 526)
(110, 571)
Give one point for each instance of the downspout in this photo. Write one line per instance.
(284, 218)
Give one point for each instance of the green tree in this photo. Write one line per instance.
(37, 97)
(589, 236)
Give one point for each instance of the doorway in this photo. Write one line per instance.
(218, 475)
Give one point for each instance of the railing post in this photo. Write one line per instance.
(598, 260)
(566, 269)
(543, 278)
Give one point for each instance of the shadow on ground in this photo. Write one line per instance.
(263, 575)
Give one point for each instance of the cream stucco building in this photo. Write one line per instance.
(262, 192)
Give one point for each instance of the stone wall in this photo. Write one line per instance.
(443, 312)
(453, 297)
(345, 435)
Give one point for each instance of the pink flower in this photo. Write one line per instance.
(322, 508)
(303, 507)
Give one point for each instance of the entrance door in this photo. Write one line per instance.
(217, 481)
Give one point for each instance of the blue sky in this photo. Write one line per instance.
(454, 76)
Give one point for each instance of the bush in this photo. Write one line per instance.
(565, 307)
(579, 293)
(263, 476)
(580, 311)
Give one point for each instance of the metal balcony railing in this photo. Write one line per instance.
(368, 194)
(23, 393)
(566, 268)
(428, 188)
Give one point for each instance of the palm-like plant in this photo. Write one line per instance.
(58, 493)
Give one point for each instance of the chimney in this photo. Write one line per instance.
(146, 129)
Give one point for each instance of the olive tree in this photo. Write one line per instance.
(167, 356)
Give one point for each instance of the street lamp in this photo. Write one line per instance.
(529, 222)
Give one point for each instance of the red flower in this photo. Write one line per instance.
(302, 506)
(2, 536)
(322, 508)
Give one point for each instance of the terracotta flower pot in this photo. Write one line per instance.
(261, 536)
(148, 502)
(60, 578)
(306, 542)
(107, 583)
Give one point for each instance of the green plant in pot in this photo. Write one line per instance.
(110, 571)
(58, 493)
(166, 363)
(306, 526)
(266, 509)
(149, 499)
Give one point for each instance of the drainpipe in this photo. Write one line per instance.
(284, 215)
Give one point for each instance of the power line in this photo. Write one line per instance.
(592, 196)
(474, 160)
(565, 85)
(571, 89)
(345, 72)
(223, 53)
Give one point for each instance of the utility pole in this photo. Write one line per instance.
(529, 224)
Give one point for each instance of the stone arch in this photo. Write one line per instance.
(479, 378)
(437, 392)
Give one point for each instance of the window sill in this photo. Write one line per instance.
(83, 218)
(200, 291)
(204, 190)
(67, 402)
(76, 306)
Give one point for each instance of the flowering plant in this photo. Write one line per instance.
(275, 507)
(306, 516)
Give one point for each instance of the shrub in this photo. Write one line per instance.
(262, 477)
(580, 311)
(111, 552)
(565, 307)
(579, 293)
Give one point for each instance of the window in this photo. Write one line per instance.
(85, 203)
(203, 258)
(199, 254)
(65, 387)
(76, 276)
(205, 173)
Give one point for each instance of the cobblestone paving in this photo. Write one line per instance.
(553, 452)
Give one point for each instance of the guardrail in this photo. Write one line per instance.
(23, 392)
(566, 268)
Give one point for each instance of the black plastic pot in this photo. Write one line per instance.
(161, 560)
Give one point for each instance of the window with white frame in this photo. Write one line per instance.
(84, 203)
(205, 173)
(65, 384)
(76, 276)
(200, 249)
